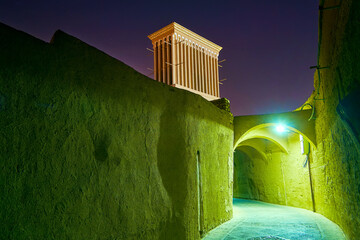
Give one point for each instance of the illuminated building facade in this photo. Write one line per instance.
(184, 59)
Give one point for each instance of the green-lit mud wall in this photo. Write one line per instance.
(336, 160)
(91, 149)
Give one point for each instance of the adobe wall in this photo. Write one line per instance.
(336, 160)
(274, 177)
(91, 149)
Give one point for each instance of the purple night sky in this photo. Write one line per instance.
(269, 45)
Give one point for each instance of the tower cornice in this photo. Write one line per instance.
(175, 28)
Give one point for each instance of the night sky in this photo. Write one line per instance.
(269, 44)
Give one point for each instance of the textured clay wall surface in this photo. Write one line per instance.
(336, 160)
(242, 181)
(258, 178)
(91, 149)
(296, 175)
(274, 176)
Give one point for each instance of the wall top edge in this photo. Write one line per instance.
(180, 30)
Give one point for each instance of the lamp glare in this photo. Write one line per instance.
(280, 128)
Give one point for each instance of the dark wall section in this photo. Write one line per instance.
(91, 149)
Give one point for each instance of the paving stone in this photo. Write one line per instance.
(254, 220)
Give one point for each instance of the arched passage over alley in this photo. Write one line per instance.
(271, 158)
(298, 121)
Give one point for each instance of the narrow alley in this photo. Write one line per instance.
(254, 220)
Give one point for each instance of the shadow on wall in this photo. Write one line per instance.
(244, 186)
(173, 170)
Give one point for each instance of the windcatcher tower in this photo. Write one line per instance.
(184, 59)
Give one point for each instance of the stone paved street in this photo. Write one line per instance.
(254, 220)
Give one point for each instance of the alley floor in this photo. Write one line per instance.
(254, 220)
